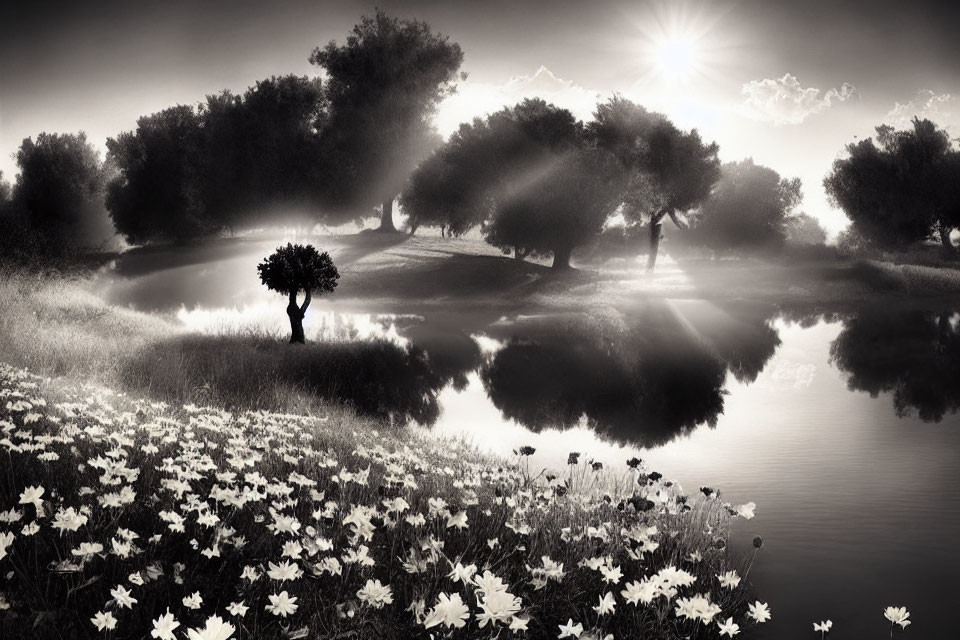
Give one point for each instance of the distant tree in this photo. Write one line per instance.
(750, 208)
(897, 190)
(384, 85)
(295, 268)
(156, 195)
(60, 189)
(560, 209)
(5, 192)
(260, 151)
(672, 171)
(804, 229)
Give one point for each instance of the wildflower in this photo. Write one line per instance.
(607, 604)
(573, 457)
(498, 606)
(122, 597)
(611, 574)
(281, 604)
(30, 529)
(238, 609)
(697, 607)
(215, 629)
(570, 630)
(759, 611)
(493, 542)
(164, 626)
(728, 628)
(136, 578)
(460, 573)
(897, 615)
(730, 579)
(489, 583)
(823, 627)
(6, 540)
(193, 601)
(644, 591)
(104, 620)
(459, 520)
(519, 624)
(68, 519)
(284, 571)
(415, 520)
(32, 495)
(449, 611)
(526, 451)
(745, 511)
(250, 573)
(375, 594)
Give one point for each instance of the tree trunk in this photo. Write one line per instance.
(656, 228)
(386, 216)
(945, 238)
(296, 313)
(517, 255)
(561, 259)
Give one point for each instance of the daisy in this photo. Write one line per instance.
(282, 604)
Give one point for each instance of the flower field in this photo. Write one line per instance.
(126, 518)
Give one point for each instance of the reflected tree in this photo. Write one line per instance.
(913, 354)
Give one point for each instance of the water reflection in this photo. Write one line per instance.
(641, 379)
(913, 354)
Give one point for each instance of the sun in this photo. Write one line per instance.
(676, 57)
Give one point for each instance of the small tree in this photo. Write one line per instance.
(296, 268)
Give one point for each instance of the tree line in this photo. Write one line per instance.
(532, 178)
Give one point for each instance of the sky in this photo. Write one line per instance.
(786, 83)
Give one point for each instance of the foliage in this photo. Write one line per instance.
(751, 207)
(897, 190)
(156, 195)
(276, 525)
(804, 229)
(383, 84)
(296, 267)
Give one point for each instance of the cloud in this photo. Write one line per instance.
(784, 101)
(477, 99)
(943, 109)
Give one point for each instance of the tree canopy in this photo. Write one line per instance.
(295, 268)
(751, 207)
(383, 84)
(899, 188)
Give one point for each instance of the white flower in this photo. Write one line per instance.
(449, 611)
(746, 510)
(104, 620)
(281, 604)
(215, 629)
(897, 615)
(823, 627)
(759, 611)
(164, 626)
(730, 579)
(33, 495)
(728, 628)
(461, 573)
(570, 630)
(238, 609)
(607, 604)
(6, 539)
(193, 601)
(122, 597)
(375, 594)
(459, 520)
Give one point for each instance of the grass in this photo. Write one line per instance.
(167, 501)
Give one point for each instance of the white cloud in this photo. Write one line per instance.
(477, 99)
(784, 101)
(943, 109)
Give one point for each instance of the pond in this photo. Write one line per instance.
(840, 422)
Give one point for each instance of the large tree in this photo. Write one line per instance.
(560, 209)
(60, 189)
(156, 195)
(672, 171)
(897, 189)
(750, 208)
(384, 84)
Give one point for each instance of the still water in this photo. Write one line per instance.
(840, 423)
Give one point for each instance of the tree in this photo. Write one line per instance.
(560, 209)
(672, 171)
(898, 190)
(804, 229)
(156, 195)
(5, 192)
(295, 268)
(750, 208)
(60, 189)
(384, 85)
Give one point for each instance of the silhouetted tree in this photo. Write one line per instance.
(896, 191)
(295, 268)
(672, 171)
(156, 195)
(384, 85)
(804, 229)
(562, 208)
(914, 355)
(5, 192)
(750, 208)
(60, 189)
